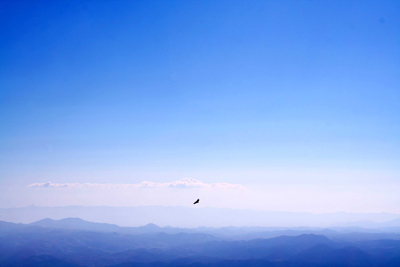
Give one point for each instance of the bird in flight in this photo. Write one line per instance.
(197, 201)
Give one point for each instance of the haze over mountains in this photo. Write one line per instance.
(198, 216)
(75, 242)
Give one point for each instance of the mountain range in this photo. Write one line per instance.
(192, 217)
(76, 242)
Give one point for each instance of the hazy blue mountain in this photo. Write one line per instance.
(391, 223)
(392, 263)
(380, 249)
(278, 248)
(192, 216)
(8, 226)
(316, 254)
(76, 223)
(79, 224)
(339, 234)
(40, 261)
(349, 256)
(324, 255)
(395, 223)
(360, 236)
(283, 247)
(75, 242)
(234, 233)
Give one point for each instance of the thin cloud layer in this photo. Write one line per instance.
(183, 183)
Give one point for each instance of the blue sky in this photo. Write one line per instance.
(296, 98)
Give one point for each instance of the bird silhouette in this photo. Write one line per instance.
(197, 201)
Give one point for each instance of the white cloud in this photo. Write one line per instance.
(183, 183)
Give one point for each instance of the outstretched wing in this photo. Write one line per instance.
(197, 201)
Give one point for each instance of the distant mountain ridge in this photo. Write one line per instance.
(232, 233)
(79, 224)
(191, 217)
(75, 223)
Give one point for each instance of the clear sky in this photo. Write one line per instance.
(276, 105)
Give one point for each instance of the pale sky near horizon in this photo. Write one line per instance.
(278, 105)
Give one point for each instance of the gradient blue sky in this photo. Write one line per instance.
(297, 101)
